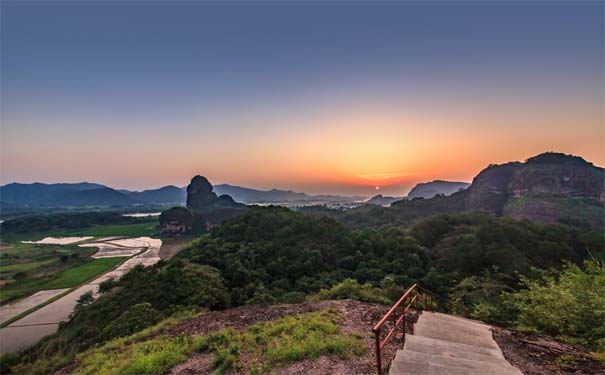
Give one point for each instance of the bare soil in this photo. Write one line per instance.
(535, 354)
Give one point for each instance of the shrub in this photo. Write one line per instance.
(351, 289)
(133, 320)
(569, 304)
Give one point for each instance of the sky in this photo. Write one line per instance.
(320, 97)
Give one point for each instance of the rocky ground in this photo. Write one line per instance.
(540, 354)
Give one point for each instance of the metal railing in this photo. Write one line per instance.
(412, 296)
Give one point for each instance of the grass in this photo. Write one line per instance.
(130, 230)
(76, 276)
(40, 264)
(27, 266)
(270, 344)
(274, 343)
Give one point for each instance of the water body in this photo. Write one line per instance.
(143, 214)
(11, 310)
(45, 321)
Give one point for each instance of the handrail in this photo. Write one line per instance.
(414, 293)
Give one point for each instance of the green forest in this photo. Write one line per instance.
(538, 277)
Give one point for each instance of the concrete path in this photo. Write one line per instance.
(448, 345)
(45, 321)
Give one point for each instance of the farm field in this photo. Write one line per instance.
(26, 268)
(129, 230)
(75, 276)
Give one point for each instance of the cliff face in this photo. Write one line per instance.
(489, 190)
(550, 187)
(558, 174)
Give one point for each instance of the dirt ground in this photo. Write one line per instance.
(171, 246)
(539, 354)
(360, 317)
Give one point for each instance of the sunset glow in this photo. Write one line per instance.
(319, 104)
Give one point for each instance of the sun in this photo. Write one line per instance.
(377, 187)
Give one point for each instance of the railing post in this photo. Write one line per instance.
(404, 323)
(378, 359)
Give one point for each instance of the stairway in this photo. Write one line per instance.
(449, 345)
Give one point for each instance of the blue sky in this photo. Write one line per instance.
(307, 96)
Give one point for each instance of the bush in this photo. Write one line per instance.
(569, 304)
(351, 289)
(133, 320)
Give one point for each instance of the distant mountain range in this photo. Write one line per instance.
(247, 195)
(550, 187)
(83, 194)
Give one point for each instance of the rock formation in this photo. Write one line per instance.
(204, 210)
(199, 194)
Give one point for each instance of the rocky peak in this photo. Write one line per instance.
(199, 193)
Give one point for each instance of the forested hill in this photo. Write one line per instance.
(549, 187)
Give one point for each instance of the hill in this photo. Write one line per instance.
(437, 187)
(248, 195)
(40, 194)
(550, 187)
(165, 195)
(380, 200)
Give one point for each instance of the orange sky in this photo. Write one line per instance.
(318, 97)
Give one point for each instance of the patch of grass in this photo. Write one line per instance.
(274, 343)
(27, 266)
(144, 357)
(78, 275)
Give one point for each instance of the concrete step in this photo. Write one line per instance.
(451, 349)
(466, 328)
(480, 367)
(455, 319)
(415, 368)
(446, 333)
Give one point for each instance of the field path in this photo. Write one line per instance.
(45, 321)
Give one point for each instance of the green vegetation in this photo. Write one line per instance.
(97, 224)
(76, 276)
(274, 255)
(580, 212)
(274, 343)
(567, 304)
(148, 228)
(28, 268)
(351, 289)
